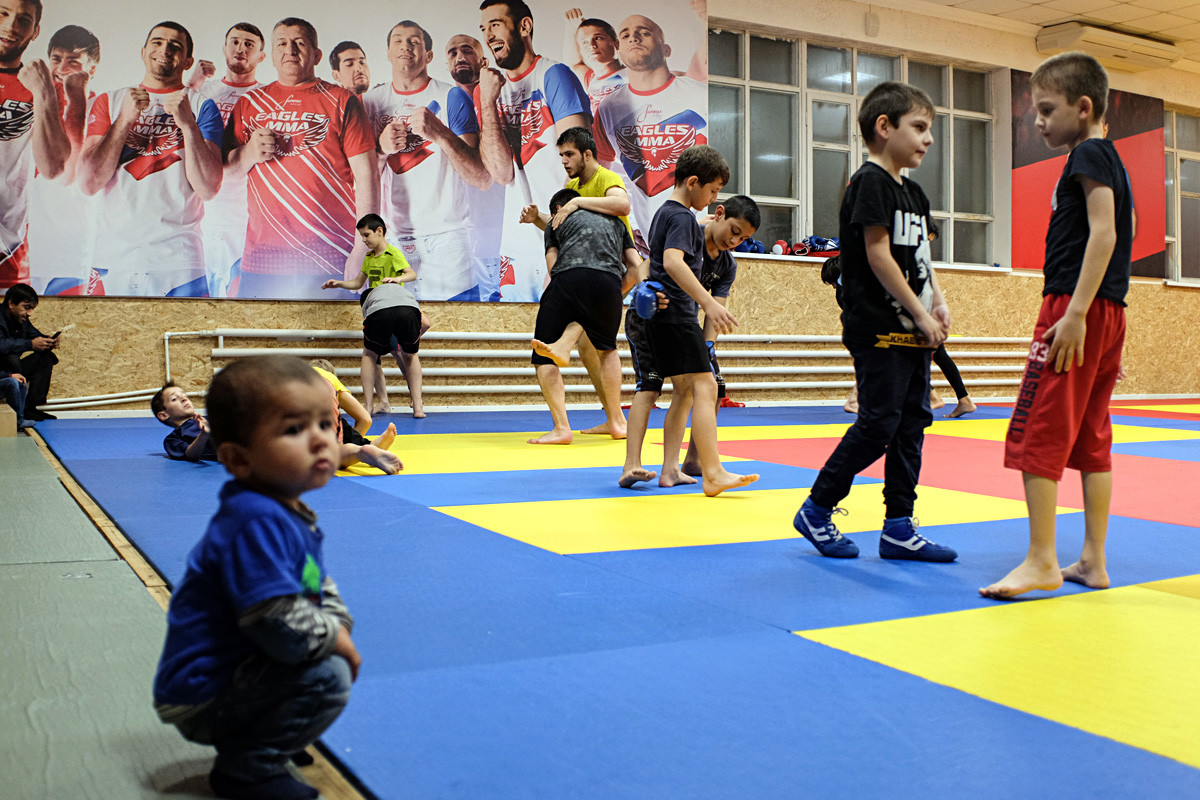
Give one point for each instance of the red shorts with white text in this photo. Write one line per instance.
(1061, 418)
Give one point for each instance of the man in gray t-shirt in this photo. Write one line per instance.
(592, 263)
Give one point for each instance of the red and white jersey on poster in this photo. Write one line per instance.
(599, 87)
(644, 133)
(54, 269)
(301, 203)
(529, 106)
(149, 208)
(228, 208)
(421, 193)
(16, 158)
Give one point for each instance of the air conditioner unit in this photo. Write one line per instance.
(1114, 49)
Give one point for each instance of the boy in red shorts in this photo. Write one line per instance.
(1061, 417)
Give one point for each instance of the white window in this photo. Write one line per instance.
(1181, 133)
(785, 114)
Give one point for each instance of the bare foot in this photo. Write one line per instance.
(544, 350)
(935, 399)
(635, 475)
(728, 480)
(385, 439)
(419, 414)
(674, 477)
(384, 408)
(380, 459)
(554, 437)
(1025, 578)
(691, 468)
(964, 407)
(1088, 576)
(850, 406)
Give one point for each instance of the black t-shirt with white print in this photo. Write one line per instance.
(874, 199)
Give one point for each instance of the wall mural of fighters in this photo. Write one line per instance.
(227, 151)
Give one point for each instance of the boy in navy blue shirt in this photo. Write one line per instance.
(674, 333)
(258, 659)
(893, 317)
(1061, 417)
(189, 437)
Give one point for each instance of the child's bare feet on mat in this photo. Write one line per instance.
(965, 406)
(554, 437)
(380, 459)
(674, 477)
(604, 429)
(1027, 577)
(634, 475)
(691, 467)
(935, 399)
(1091, 577)
(725, 481)
(385, 439)
(419, 413)
(550, 351)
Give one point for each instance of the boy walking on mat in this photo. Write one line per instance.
(1061, 418)
(258, 659)
(674, 333)
(893, 316)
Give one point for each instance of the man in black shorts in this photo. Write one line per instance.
(592, 263)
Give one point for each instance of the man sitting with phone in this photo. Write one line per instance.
(17, 336)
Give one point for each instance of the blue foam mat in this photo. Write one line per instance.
(760, 715)
(785, 583)
(494, 669)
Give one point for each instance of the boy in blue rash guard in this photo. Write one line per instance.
(258, 659)
(189, 438)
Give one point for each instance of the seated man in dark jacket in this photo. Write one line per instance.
(17, 336)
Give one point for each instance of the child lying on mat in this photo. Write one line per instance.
(356, 447)
(258, 659)
(189, 437)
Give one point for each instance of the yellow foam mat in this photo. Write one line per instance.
(688, 520)
(1119, 663)
(994, 430)
(1175, 408)
(1185, 587)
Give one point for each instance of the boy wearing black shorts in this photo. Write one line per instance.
(674, 334)
(592, 263)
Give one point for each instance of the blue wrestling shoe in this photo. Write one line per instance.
(900, 541)
(816, 524)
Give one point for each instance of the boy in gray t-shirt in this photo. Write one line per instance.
(592, 264)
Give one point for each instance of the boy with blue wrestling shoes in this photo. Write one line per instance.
(893, 317)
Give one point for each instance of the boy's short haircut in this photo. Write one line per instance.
(323, 363)
(173, 26)
(893, 100)
(580, 138)
(561, 198)
(593, 22)
(742, 207)
(335, 54)
(239, 395)
(156, 403)
(408, 23)
(20, 293)
(704, 162)
(1074, 75)
(371, 222)
(250, 29)
(302, 24)
(70, 38)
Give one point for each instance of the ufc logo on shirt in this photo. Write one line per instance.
(909, 229)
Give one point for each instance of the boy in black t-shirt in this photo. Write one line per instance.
(1061, 417)
(893, 316)
(676, 255)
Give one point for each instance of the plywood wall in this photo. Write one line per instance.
(117, 344)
